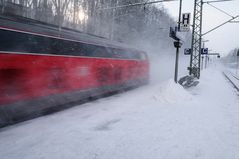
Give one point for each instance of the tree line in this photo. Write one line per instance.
(126, 24)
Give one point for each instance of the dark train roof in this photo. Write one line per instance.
(31, 25)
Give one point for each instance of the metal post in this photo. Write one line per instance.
(203, 46)
(206, 61)
(202, 62)
(180, 12)
(177, 48)
(195, 59)
(176, 66)
(237, 65)
(237, 61)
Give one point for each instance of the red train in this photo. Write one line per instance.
(42, 68)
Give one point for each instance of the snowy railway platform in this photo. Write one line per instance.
(158, 121)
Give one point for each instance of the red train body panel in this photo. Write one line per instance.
(38, 71)
(26, 76)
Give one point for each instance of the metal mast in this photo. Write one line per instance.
(195, 59)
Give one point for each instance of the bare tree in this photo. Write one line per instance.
(128, 24)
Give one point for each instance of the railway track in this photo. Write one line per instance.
(233, 79)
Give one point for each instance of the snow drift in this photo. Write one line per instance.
(170, 92)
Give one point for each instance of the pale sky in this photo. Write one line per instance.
(221, 40)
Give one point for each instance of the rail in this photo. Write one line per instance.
(232, 78)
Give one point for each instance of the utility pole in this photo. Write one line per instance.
(177, 44)
(195, 58)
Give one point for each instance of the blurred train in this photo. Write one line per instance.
(42, 68)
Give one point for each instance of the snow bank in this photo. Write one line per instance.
(134, 125)
(170, 92)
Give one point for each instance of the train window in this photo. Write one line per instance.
(125, 54)
(91, 50)
(54, 46)
(86, 49)
(116, 53)
(109, 51)
(5, 40)
(22, 42)
(128, 54)
(44, 44)
(136, 55)
(100, 51)
(63, 45)
(38, 44)
(31, 44)
(143, 56)
(11, 41)
(74, 48)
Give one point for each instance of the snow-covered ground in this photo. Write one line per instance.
(158, 121)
